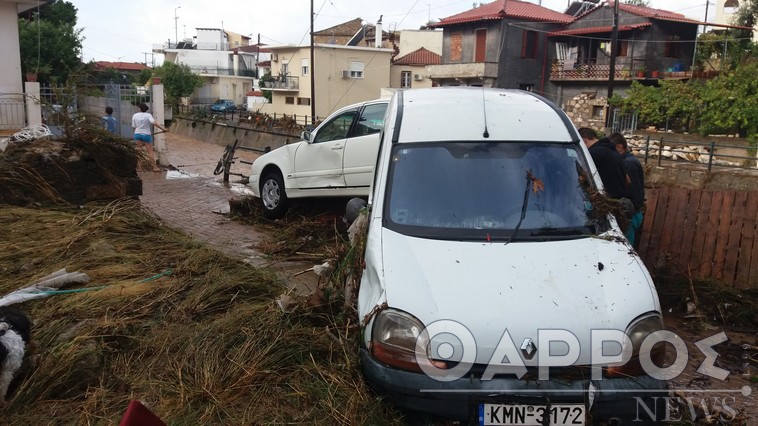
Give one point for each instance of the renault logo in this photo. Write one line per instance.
(528, 348)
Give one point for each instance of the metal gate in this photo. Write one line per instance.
(624, 122)
(125, 100)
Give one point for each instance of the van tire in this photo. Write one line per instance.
(273, 196)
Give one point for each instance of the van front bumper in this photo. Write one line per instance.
(618, 401)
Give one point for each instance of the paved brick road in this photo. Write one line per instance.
(195, 201)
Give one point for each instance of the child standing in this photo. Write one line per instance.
(109, 123)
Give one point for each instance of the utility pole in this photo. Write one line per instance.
(611, 77)
(257, 57)
(313, 74)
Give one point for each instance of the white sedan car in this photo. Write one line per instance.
(336, 159)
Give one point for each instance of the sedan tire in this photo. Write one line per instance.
(273, 196)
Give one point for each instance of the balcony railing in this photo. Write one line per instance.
(626, 70)
(281, 83)
(222, 71)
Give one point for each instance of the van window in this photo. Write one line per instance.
(477, 190)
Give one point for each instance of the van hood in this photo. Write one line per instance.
(576, 285)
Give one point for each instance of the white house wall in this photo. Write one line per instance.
(412, 40)
(209, 59)
(10, 66)
(420, 70)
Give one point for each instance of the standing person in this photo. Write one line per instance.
(109, 123)
(608, 162)
(143, 134)
(636, 191)
(610, 167)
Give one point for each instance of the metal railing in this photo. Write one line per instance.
(12, 111)
(281, 83)
(223, 71)
(251, 119)
(700, 153)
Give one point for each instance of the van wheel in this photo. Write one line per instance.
(273, 197)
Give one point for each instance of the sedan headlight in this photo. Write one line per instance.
(638, 331)
(393, 339)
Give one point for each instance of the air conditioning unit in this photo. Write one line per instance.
(274, 57)
(418, 77)
(345, 73)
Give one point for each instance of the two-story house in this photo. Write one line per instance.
(343, 75)
(210, 55)
(500, 44)
(652, 44)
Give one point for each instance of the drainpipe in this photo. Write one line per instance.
(544, 65)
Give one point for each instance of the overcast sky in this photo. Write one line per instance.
(127, 30)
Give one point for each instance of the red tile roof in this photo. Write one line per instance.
(500, 9)
(123, 66)
(254, 48)
(664, 15)
(597, 30)
(419, 57)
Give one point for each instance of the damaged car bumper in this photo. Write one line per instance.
(620, 401)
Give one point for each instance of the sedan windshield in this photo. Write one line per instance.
(494, 190)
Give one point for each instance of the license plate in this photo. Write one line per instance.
(517, 415)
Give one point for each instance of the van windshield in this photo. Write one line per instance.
(494, 190)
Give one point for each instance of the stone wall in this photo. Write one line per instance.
(586, 110)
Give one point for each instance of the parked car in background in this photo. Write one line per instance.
(223, 105)
(336, 159)
(491, 277)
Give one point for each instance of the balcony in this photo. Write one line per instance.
(467, 70)
(626, 70)
(281, 84)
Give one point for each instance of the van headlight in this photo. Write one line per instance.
(638, 331)
(393, 339)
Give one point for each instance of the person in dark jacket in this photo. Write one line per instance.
(636, 191)
(608, 162)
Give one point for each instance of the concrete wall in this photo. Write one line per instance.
(223, 135)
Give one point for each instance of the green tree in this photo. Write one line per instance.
(178, 81)
(50, 43)
(730, 102)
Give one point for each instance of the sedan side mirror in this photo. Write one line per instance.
(353, 209)
(306, 135)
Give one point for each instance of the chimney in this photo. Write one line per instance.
(378, 33)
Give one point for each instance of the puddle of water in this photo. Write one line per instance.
(180, 174)
(240, 189)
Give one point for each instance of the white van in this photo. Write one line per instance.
(494, 292)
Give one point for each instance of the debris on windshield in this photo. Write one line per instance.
(537, 184)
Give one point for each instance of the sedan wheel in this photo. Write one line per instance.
(273, 197)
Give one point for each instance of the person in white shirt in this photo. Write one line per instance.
(143, 134)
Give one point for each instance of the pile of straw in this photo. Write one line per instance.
(200, 343)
